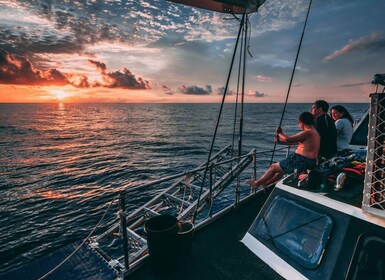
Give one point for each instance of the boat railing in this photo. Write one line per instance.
(201, 168)
(129, 226)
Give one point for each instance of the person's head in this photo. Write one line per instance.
(319, 107)
(305, 118)
(340, 112)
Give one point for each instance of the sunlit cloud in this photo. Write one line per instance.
(118, 79)
(16, 69)
(159, 45)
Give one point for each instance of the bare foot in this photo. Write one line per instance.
(252, 183)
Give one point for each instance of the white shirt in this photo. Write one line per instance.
(344, 133)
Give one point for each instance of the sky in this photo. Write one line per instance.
(157, 51)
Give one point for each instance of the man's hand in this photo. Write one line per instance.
(278, 130)
(276, 139)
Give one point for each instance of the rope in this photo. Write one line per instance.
(236, 100)
(84, 241)
(219, 118)
(292, 76)
(242, 106)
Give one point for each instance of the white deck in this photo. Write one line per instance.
(320, 198)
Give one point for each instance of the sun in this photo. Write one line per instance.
(60, 94)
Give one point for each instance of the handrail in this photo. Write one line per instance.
(171, 177)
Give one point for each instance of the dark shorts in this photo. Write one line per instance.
(296, 161)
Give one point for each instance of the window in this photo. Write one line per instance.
(296, 230)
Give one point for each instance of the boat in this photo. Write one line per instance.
(295, 229)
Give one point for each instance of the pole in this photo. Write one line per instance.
(122, 216)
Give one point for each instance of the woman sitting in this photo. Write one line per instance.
(344, 125)
(304, 157)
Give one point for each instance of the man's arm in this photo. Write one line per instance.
(294, 139)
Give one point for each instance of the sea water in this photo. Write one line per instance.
(61, 164)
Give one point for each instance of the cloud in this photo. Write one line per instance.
(18, 70)
(221, 90)
(99, 65)
(257, 94)
(167, 90)
(73, 26)
(195, 90)
(78, 80)
(372, 41)
(263, 79)
(119, 79)
(354, 85)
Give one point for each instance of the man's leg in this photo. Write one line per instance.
(277, 176)
(269, 175)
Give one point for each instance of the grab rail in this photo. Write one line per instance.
(171, 177)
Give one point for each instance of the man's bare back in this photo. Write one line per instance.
(309, 146)
(308, 141)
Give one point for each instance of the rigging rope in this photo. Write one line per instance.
(219, 118)
(236, 100)
(292, 76)
(237, 192)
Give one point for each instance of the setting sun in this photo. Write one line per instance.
(60, 94)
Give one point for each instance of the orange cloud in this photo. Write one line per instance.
(18, 70)
(15, 69)
(119, 79)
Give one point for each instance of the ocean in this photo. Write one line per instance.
(61, 164)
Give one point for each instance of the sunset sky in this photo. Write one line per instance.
(159, 51)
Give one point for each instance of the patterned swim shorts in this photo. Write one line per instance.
(296, 161)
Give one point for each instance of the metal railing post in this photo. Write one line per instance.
(211, 190)
(255, 164)
(122, 216)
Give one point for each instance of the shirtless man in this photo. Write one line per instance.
(304, 157)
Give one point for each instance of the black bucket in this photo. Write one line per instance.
(185, 236)
(162, 242)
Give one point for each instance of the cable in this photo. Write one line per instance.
(292, 76)
(236, 100)
(219, 118)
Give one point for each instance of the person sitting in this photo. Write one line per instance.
(344, 125)
(326, 128)
(304, 157)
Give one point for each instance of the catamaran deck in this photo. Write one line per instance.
(217, 252)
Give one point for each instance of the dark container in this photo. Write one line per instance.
(162, 241)
(185, 235)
